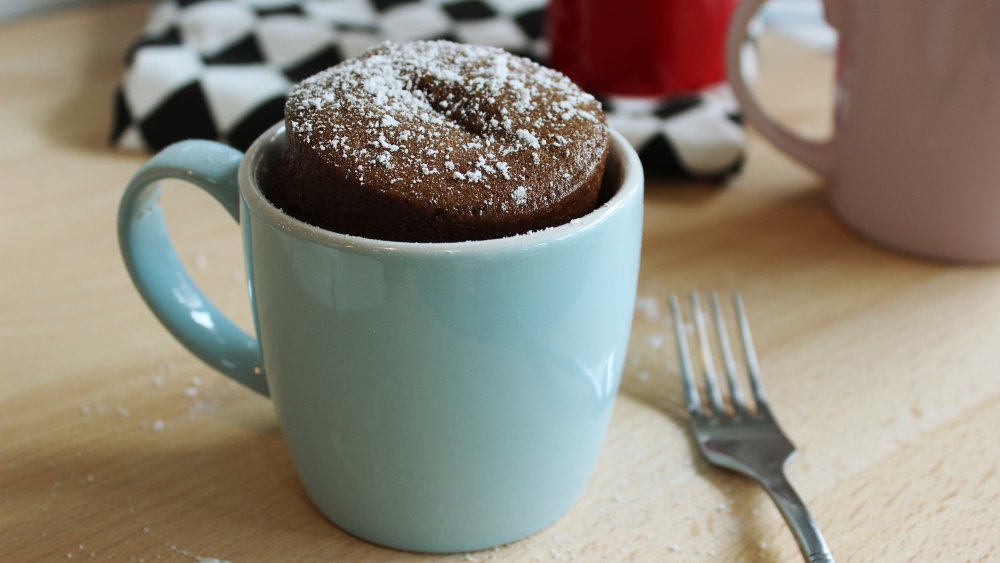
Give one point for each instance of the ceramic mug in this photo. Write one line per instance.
(650, 48)
(913, 163)
(435, 397)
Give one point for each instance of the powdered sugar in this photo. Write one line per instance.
(529, 138)
(437, 117)
(521, 195)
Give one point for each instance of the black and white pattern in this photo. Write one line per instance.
(220, 69)
(699, 136)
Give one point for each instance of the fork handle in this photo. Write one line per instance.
(807, 534)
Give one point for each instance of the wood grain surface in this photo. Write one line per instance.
(116, 444)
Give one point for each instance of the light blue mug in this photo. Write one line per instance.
(435, 397)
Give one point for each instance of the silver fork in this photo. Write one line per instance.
(742, 437)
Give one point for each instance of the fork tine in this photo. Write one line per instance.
(708, 364)
(753, 369)
(690, 391)
(727, 354)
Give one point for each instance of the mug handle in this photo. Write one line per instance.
(817, 155)
(159, 276)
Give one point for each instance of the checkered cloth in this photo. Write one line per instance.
(220, 69)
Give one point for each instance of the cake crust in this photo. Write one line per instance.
(437, 142)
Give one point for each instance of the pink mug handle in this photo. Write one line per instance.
(817, 155)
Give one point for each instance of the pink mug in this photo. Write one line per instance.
(914, 162)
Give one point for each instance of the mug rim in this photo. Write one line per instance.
(630, 186)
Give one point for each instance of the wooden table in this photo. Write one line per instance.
(116, 444)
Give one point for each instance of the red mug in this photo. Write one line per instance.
(640, 47)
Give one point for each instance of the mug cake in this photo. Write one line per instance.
(435, 141)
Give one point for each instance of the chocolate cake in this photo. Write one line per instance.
(436, 141)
